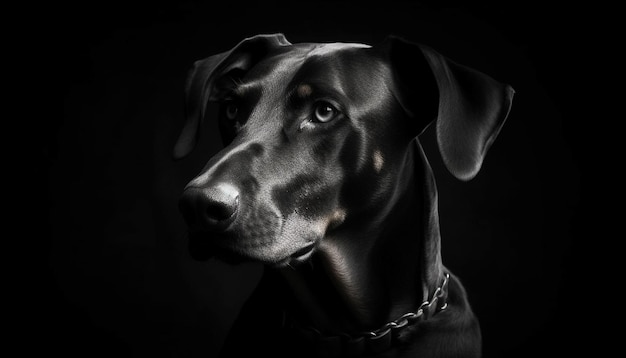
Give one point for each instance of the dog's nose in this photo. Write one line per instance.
(213, 208)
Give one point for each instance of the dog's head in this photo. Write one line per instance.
(315, 134)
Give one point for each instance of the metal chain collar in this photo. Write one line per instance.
(378, 340)
(424, 311)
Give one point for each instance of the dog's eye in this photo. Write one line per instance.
(325, 112)
(231, 110)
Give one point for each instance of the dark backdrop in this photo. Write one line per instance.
(117, 279)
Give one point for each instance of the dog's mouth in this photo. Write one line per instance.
(202, 248)
(300, 256)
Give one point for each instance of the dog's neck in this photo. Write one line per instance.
(392, 266)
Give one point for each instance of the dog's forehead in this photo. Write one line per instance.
(302, 62)
(289, 59)
(330, 48)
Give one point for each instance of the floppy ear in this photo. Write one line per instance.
(470, 107)
(201, 79)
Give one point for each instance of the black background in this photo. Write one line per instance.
(115, 276)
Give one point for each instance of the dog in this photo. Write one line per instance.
(322, 179)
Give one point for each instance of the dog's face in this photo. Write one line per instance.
(313, 136)
(316, 136)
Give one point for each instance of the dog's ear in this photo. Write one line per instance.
(470, 107)
(201, 79)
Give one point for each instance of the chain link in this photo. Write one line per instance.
(412, 317)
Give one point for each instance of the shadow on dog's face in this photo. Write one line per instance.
(313, 137)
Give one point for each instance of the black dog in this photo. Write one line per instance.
(322, 179)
